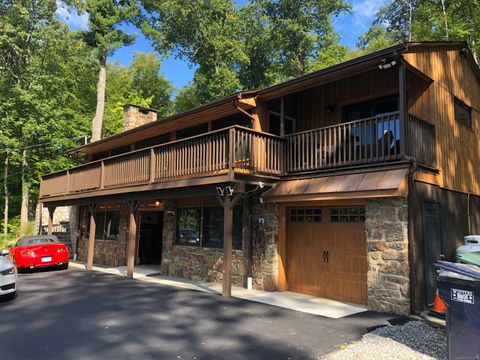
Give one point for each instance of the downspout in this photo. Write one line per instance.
(412, 256)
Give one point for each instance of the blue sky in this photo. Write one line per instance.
(350, 27)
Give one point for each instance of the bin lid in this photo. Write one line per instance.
(468, 272)
(469, 258)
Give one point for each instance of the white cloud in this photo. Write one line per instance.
(364, 11)
(71, 17)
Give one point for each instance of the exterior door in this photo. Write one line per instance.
(432, 239)
(326, 252)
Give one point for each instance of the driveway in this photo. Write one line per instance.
(78, 315)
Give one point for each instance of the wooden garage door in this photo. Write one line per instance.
(326, 252)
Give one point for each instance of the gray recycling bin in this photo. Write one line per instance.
(459, 288)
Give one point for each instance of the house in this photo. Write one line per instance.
(346, 183)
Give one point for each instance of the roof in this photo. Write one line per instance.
(386, 183)
(226, 106)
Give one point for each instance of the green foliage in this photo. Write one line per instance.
(264, 42)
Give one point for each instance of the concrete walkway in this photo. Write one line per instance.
(287, 300)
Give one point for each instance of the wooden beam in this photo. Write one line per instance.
(40, 218)
(91, 236)
(51, 211)
(282, 249)
(132, 236)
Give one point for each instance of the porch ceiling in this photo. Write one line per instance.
(385, 183)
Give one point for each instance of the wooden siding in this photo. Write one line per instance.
(457, 147)
(309, 107)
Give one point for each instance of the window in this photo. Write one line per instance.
(463, 113)
(157, 140)
(274, 124)
(306, 215)
(347, 214)
(370, 108)
(120, 150)
(192, 131)
(190, 221)
(188, 226)
(107, 225)
(241, 120)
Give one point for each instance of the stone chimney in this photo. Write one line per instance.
(134, 116)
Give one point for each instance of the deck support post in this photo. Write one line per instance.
(227, 202)
(402, 105)
(51, 211)
(282, 116)
(132, 236)
(91, 236)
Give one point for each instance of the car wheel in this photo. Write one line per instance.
(63, 266)
(10, 296)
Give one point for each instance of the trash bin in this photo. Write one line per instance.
(469, 253)
(459, 288)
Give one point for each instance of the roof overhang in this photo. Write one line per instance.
(375, 184)
(215, 110)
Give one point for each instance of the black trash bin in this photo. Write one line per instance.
(459, 288)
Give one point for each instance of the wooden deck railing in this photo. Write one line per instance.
(241, 150)
(375, 139)
(235, 149)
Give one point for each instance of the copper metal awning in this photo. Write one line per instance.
(386, 183)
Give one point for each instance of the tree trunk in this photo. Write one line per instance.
(25, 191)
(6, 194)
(445, 19)
(97, 121)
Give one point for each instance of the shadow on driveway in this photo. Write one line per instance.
(78, 315)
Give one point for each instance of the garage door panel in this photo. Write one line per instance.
(343, 276)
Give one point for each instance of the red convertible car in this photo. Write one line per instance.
(40, 251)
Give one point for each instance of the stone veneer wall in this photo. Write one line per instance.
(62, 214)
(206, 264)
(108, 252)
(386, 228)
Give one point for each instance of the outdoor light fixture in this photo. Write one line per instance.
(261, 185)
(157, 203)
(387, 63)
(220, 191)
(229, 191)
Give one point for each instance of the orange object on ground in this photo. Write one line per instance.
(438, 305)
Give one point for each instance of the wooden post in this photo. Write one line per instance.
(51, 211)
(40, 218)
(282, 116)
(227, 247)
(91, 237)
(132, 237)
(402, 105)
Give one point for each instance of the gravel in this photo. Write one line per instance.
(413, 340)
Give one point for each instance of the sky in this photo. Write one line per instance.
(180, 73)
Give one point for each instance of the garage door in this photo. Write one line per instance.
(326, 252)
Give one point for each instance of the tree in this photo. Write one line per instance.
(105, 37)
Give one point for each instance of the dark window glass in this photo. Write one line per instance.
(274, 124)
(120, 150)
(213, 227)
(107, 225)
(350, 214)
(100, 156)
(306, 215)
(370, 108)
(188, 226)
(192, 131)
(463, 113)
(241, 120)
(157, 140)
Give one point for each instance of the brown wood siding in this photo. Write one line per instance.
(457, 147)
(309, 107)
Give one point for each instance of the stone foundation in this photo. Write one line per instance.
(107, 252)
(206, 264)
(386, 228)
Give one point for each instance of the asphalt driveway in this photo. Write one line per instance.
(78, 315)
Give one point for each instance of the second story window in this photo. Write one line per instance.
(463, 113)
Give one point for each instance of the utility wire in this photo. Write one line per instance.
(39, 145)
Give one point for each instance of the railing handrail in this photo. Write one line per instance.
(210, 133)
(345, 123)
